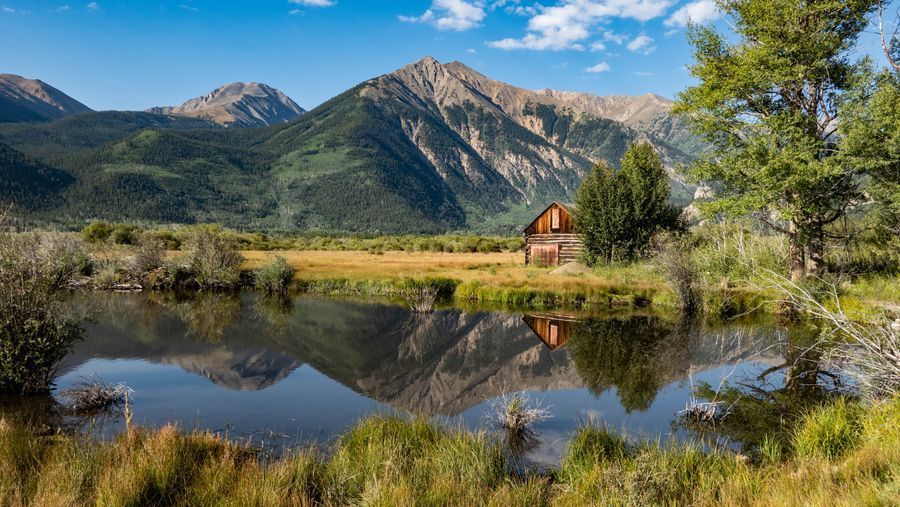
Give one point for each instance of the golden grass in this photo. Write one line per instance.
(503, 270)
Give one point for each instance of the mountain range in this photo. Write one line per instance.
(430, 147)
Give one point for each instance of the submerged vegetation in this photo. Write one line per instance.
(838, 454)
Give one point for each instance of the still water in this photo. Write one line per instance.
(304, 369)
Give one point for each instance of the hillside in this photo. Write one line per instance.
(428, 148)
(239, 105)
(30, 100)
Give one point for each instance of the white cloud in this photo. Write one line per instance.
(569, 23)
(597, 46)
(456, 15)
(471, 51)
(699, 11)
(611, 36)
(7, 9)
(63, 8)
(643, 43)
(600, 67)
(93, 6)
(189, 8)
(313, 3)
(644, 74)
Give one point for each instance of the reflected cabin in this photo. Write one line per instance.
(550, 240)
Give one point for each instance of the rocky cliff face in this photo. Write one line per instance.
(26, 100)
(536, 140)
(239, 105)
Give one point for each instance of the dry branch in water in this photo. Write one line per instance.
(868, 353)
(421, 299)
(91, 394)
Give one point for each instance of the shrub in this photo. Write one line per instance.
(214, 262)
(679, 271)
(274, 277)
(34, 333)
(63, 258)
(97, 232)
(124, 234)
(149, 255)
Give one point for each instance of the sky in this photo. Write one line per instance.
(131, 55)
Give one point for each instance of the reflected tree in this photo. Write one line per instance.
(206, 314)
(634, 354)
(765, 408)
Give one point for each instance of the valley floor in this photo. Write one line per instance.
(503, 278)
(478, 277)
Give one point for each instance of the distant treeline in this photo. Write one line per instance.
(174, 238)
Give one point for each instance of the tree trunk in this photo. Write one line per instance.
(816, 253)
(796, 255)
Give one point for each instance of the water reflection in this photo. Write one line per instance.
(553, 329)
(313, 366)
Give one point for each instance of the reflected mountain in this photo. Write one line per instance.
(441, 363)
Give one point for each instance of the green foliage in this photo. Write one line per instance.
(34, 333)
(618, 212)
(870, 140)
(768, 103)
(96, 232)
(275, 276)
(212, 257)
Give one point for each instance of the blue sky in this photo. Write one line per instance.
(137, 54)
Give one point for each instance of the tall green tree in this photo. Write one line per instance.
(870, 139)
(769, 103)
(617, 212)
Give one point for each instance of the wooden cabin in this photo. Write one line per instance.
(550, 240)
(553, 329)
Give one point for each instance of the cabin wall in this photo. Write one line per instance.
(542, 224)
(570, 246)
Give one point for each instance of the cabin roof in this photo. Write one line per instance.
(568, 207)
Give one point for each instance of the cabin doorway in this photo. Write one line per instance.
(545, 255)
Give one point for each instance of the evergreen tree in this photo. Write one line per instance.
(618, 212)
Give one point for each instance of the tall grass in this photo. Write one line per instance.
(391, 461)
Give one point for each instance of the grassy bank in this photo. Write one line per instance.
(718, 269)
(841, 454)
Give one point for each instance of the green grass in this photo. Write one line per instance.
(393, 461)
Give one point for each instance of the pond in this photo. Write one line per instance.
(302, 370)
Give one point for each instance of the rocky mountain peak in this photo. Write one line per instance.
(23, 99)
(239, 105)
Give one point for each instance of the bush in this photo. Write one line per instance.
(275, 277)
(124, 234)
(96, 232)
(34, 333)
(213, 259)
(149, 255)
